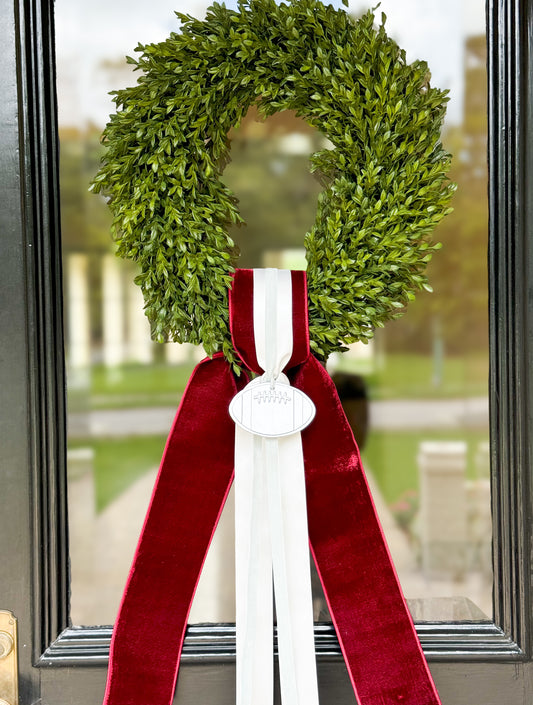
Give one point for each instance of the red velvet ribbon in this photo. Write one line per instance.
(377, 637)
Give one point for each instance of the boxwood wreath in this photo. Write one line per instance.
(385, 183)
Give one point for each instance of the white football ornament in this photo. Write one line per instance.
(271, 409)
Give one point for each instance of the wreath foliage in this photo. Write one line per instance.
(385, 183)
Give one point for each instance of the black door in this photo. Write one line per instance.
(472, 662)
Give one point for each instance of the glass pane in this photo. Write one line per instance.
(416, 396)
(427, 450)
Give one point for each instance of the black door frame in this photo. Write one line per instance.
(471, 662)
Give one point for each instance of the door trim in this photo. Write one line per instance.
(46, 366)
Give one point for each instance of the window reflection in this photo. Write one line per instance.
(416, 395)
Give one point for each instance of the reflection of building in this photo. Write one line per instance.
(443, 532)
(70, 107)
(123, 334)
(252, 127)
(454, 524)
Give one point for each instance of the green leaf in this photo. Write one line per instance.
(385, 180)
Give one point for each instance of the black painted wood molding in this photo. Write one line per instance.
(510, 82)
(463, 641)
(39, 173)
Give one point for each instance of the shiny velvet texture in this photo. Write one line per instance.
(377, 637)
(375, 630)
(194, 478)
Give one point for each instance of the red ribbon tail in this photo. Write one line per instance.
(195, 476)
(375, 630)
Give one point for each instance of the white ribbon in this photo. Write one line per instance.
(271, 536)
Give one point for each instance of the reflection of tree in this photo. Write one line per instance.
(85, 220)
(276, 191)
(458, 273)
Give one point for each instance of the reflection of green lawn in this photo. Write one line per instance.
(138, 385)
(413, 377)
(118, 462)
(400, 377)
(391, 456)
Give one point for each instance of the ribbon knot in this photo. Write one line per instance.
(291, 313)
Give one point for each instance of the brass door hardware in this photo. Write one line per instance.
(8, 659)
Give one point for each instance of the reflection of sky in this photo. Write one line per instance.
(435, 31)
(88, 33)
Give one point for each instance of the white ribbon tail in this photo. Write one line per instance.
(271, 536)
(292, 575)
(253, 574)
